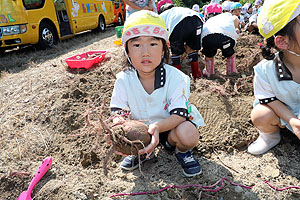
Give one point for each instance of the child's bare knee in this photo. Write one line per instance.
(190, 138)
(263, 116)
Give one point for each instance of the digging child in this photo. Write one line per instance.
(188, 41)
(156, 93)
(220, 31)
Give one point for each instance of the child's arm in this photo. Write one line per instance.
(236, 24)
(158, 127)
(242, 24)
(170, 123)
(119, 102)
(283, 112)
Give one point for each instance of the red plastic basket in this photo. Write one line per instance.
(85, 60)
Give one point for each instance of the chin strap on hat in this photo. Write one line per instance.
(295, 54)
(126, 54)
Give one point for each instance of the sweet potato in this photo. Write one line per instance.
(132, 136)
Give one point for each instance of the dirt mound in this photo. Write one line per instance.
(42, 113)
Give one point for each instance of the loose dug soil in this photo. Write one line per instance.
(42, 113)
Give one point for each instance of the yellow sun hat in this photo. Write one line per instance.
(276, 14)
(144, 23)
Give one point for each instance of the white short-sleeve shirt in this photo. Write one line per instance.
(274, 81)
(173, 16)
(172, 90)
(222, 24)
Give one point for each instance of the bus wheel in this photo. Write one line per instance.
(101, 25)
(120, 20)
(47, 37)
(2, 51)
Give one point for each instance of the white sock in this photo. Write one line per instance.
(264, 142)
(168, 144)
(177, 151)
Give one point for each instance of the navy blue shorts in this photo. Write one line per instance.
(188, 32)
(212, 42)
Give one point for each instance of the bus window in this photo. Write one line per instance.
(33, 4)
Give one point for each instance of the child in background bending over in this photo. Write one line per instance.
(252, 27)
(277, 79)
(235, 10)
(156, 93)
(219, 32)
(247, 12)
(185, 27)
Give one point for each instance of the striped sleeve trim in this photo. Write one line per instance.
(114, 109)
(267, 100)
(182, 112)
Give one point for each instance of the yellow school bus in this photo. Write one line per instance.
(44, 22)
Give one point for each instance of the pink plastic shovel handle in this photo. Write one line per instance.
(46, 164)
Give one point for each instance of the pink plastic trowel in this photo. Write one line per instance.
(46, 164)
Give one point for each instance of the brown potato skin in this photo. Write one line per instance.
(134, 130)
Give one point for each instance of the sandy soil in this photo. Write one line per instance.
(42, 113)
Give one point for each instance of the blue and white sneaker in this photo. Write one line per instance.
(189, 164)
(132, 162)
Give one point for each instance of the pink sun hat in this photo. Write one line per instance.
(213, 8)
(162, 2)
